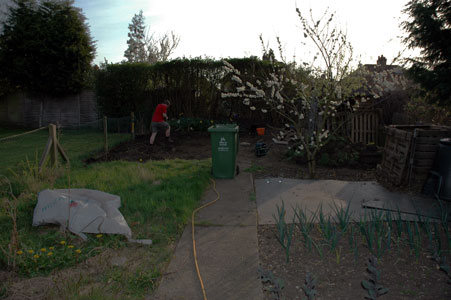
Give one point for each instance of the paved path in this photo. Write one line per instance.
(227, 248)
(361, 196)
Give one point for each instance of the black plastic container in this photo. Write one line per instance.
(439, 180)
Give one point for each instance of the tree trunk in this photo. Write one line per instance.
(311, 165)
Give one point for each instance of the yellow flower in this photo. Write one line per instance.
(63, 242)
(200, 121)
(30, 251)
(50, 253)
(43, 250)
(51, 248)
(70, 246)
(78, 251)
(20, 252)
(99, 236)
(36, 256)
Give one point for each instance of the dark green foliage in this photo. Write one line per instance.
(184, 124)
(343, 216)
(284, 231)
(436, 255)
(376, 232)
(274, 284)
(337, 152)
(192, 85)
(428, 28)
(374, 289)
(305, 225)
(122, 88)
(46, 48)
(329, 231)
(309, 287)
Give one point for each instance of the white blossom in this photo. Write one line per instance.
(237, 79)
(252, 108)
(264, 111)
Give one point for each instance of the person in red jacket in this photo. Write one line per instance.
(159, 121)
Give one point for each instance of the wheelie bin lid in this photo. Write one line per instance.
(223, 128)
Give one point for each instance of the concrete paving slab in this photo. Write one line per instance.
(228, 262)
(227, 251)
(238, 207)
(333, 194)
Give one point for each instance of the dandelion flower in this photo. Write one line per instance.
(43, 250)
(99, 236)
(36, 256)
(70, 246)
(51, 248)
(78, 251)
(30, 251)
(50, 253)
(63, 242)
(20, 252)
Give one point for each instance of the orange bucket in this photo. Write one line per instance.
(261, 131)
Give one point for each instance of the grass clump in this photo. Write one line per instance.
(157, 199)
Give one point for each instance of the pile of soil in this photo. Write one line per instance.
(190, 145)
(197, 145)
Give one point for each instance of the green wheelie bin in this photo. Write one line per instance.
(224, 149)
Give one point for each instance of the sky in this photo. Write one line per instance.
(231, 28)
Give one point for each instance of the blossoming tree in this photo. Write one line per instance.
(308, 98)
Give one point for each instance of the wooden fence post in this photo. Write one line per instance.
(133, 125)
(52, 148)
(105, 134)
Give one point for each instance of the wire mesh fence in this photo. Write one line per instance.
(79, 142)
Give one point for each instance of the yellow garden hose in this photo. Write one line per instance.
(194, 240)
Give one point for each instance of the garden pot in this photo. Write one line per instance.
(261, 131)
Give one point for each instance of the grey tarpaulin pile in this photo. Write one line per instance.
(82, 211)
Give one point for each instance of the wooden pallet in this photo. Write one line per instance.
(409, 152)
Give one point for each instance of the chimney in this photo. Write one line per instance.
(381, 61)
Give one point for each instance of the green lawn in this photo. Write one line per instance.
(157, 200)
(77, 145)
